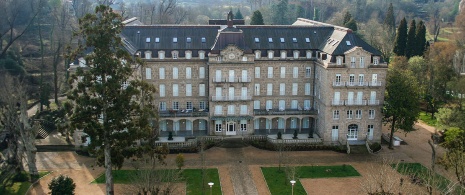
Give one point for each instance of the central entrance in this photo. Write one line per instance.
(231, 128)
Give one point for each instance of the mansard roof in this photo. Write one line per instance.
(302, 35)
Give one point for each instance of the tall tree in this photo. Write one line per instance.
(410, 47)
(420, 39)
(352, 24)
(113, 113)
(401, 38)
(389, 20)
(280, 12)
(257, 18)
(238, 15)
(347, 18)
(401, 101)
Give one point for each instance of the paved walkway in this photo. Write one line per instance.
(245, 177)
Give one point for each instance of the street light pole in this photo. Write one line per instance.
(292, 183)
(211, 185)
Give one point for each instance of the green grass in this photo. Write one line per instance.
(192, 177)
(19, 188)
(278, 182)
(426, 118)
(421, 172)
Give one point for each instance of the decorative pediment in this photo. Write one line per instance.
(357, 51)
(231, 53)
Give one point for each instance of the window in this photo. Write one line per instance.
(371, 114)
(358, 114)
(244, 93)
(175, 54)
(201, 55)
(270, 40)
(202, 105)
(361, 79)
(244, 58)
(337, 82)
(188, 39)
(202, 90)
(307, 105)
(188, 72)
(295, 72)
(231, 109)
(375, 61)
(283, 72)
(148, 73)
(257, 72)
(283, 54)
(175, 73)
(162, 106)
(148, 55)
(294, 40)
(349, 114)
(296, 54)
(308, 72)
(243, 125)
(294, 104)
(295, 87)
(157, 39)
(218, 75)
(188, 54)
(257, 40)
(282, 105)
(281, 39)
(162, 90)
(307, 40)
(282, 89)
(218, 92)
(147, 40)
(258, 54)
(232, 76)
(256, 104)
(370, 132)
(244, 76)
(270, 72)
(348, 43)
(269, 89)
(218, 127)
(339, 61)
(269, 104)
(336, 114)
(309, 54)
(352, 62)
(362, 62)
(204, 40)
(351, 79)
(161, 73)
(161, 55)
(307, 89)
(175, 39)
(243, 110)
(218, 110)
(335, 133)
(201, 72)
(270, 54)
(175, 90)
(188, 105)
(257, 89)
(188, 89)
(175, 105)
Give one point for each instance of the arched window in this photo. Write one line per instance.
(352, 133)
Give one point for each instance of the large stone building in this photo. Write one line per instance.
(308, 77)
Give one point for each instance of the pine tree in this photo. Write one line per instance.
(114, 114)
(238, 15)
(347, 18)
(410, 47)
(257, 18)
(420, 39)
(401, 38)
(389, 20)
(352, 24)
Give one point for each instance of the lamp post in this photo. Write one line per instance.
(292, 183)
(211, 185)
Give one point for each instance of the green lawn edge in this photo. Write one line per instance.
(279, 183)
(21, 188)
(192, 177)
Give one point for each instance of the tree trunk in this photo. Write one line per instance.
(108, 168)
(391, 138)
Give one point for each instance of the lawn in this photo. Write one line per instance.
(192, 177)
(278, 182)
(426, 118)
(20, 187)
(421, 172)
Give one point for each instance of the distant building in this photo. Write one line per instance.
(223, 80)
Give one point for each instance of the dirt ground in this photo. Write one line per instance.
(83, 172)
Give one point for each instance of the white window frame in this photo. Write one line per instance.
(362, 62)
(231, 110)
(175, 73)
(282, 89)
(256, 104)
(308, 54)
(307, 89)
(175, 90)
(148, 55)
(162, 90)
(257, 89)
(375, 61)
(202, 105)
(243, 110)
(283, 55)
(201, 54)
(161, 73)
(162, 106)
(308, 72)
(336, 115)
(202, 89)
(188, 73)
(218, 125)
(269, 104)
(257, 72)
(258, 54)
(175, 105)
(188, 90)
(295, 88)
(358, 114)
(371, 114)
(148, 73)
(283, 72)
(270, 72)
(218, 110)
(295, 72)
(201, 72)
(294, 104)
(349, 114)
(270, 54)
(161, 55)
(296, 54)
(269, 89)
(189, 105)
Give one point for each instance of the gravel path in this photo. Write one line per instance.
(240, 174)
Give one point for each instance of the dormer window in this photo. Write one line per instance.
(296, 54)
(204, 40)
(270, 54)
(175, 54)
(339, 60)
(148, 55)
(257, 40)
(283, 54)
(201, 54)
(270, 40)
(161, 55)
(157, 40)
(307, 40)
(188, 54)
(348, 43)
(281, 39)
(309, 54)
(244, 58)
(147, 40)
(294, 40)
(175, 39)
(258, 54)
(188, 40)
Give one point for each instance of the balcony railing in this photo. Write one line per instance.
(284, 112)
(231, 98)
(375, 83)
(373, 102)
(337, 102)
(232, 80)
(355, 102)
(338, 84)
(180, 113)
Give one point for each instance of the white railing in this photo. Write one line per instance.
(355, 102)
(232, 80)
(231, 98)
(336, 83)
(375, 83)
(337, 102)
(373, 102)
(296, 141)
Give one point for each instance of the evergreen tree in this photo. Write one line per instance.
(352, 24)
(410, 47)
(257, 18)
(401, 38)
(62, 185)
(300, 12)
(238, 15)
(280, 12)
(347, 18)
(114, 114)
(420, 39)
(316, 14)
(389, 20)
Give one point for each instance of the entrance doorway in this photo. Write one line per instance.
(352, 134)
(231, 128)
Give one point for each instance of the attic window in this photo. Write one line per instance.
(157, 40)
(204, 40)
(282, 40)
(188, 39)
(314, 32)
(294, 40)
(270, 40)
(257, 40)
(307, 40)
(335, 43)
(175, 39)
(147, 40)
(348, 43)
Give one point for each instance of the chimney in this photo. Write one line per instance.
(230, 19)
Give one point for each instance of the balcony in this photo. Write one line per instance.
(375, 84)
(232, 80)
(183, 113)
(231, 98)
(338, 84)
(355, 102)
(373, 102)
(284, 112)
(337, 102)
(356, 84)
